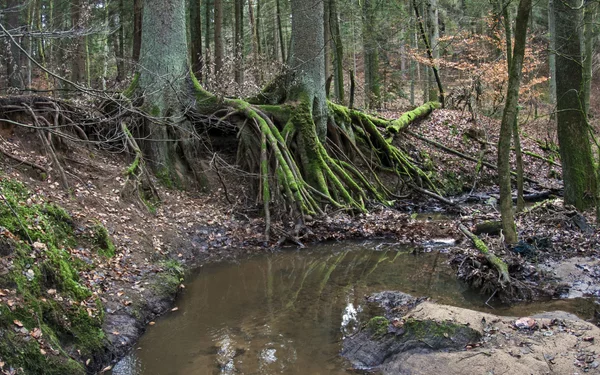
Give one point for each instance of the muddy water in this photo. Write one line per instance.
(286, 313)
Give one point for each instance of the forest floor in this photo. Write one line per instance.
(187, 230)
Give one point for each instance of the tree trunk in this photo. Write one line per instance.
(280, 31)
(306, 60)
(207, 22)
(588, 52)
(552, 53)
(238, 41)
(508, 119)
(327, 43)
(196, 37)
(371, 56)
(78, 58)
(573, 134)
(434, 67)
(338, 60)
(258, 73)
(138, 6)
(218, 37)
(434, 32)
(165, 138)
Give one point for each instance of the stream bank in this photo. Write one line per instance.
(154, 246)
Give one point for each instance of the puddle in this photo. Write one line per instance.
(286, 313)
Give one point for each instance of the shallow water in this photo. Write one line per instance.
(286, 313)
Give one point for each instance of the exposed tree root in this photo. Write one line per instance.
(501, 267)
(138, 182)
(295, 168)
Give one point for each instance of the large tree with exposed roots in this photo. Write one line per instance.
(308, 152)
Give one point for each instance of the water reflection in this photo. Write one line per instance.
(285, 313)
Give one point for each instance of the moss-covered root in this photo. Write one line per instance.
(501, 267)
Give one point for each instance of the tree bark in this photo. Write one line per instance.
(196, 37)
(78, 58)
(280, 31)
(508, 119)
(165, 137)
(137, 30)
(238, 41)
(434, 68)
(552, 53)
(589, 39)
(371, 56)
(573, 134)
(338, 59)
(218, 28)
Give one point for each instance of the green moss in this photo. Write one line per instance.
(169, 280)
(167, 179)
(129, 91)
(155, 111)
(42, 234)
(378, 325)
(427, 329)
(102, 240)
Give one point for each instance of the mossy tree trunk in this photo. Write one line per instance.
(165, 135)
(509, 118)
(573, 134)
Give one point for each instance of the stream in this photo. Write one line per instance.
(287, 312)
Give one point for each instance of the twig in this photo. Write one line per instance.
(23, 161)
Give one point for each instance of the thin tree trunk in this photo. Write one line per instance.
(504, 11)
(430, 54)
(13, 57)
(327, 42)
(105, 49)
(338, 63)
(509, 117)
(280, 31)
(434, 32)
(77, 62)
(371, 56)
(588, 43)
(238, 41)
(218, 37)
(138, 6)
(207, 22)
(552, 53)
(258, 72)
(196, 37)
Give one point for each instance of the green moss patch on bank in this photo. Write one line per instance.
(50, 322)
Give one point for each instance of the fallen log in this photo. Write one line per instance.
(501, 267)
(395, 126)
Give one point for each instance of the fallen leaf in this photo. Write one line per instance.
(18, 323)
